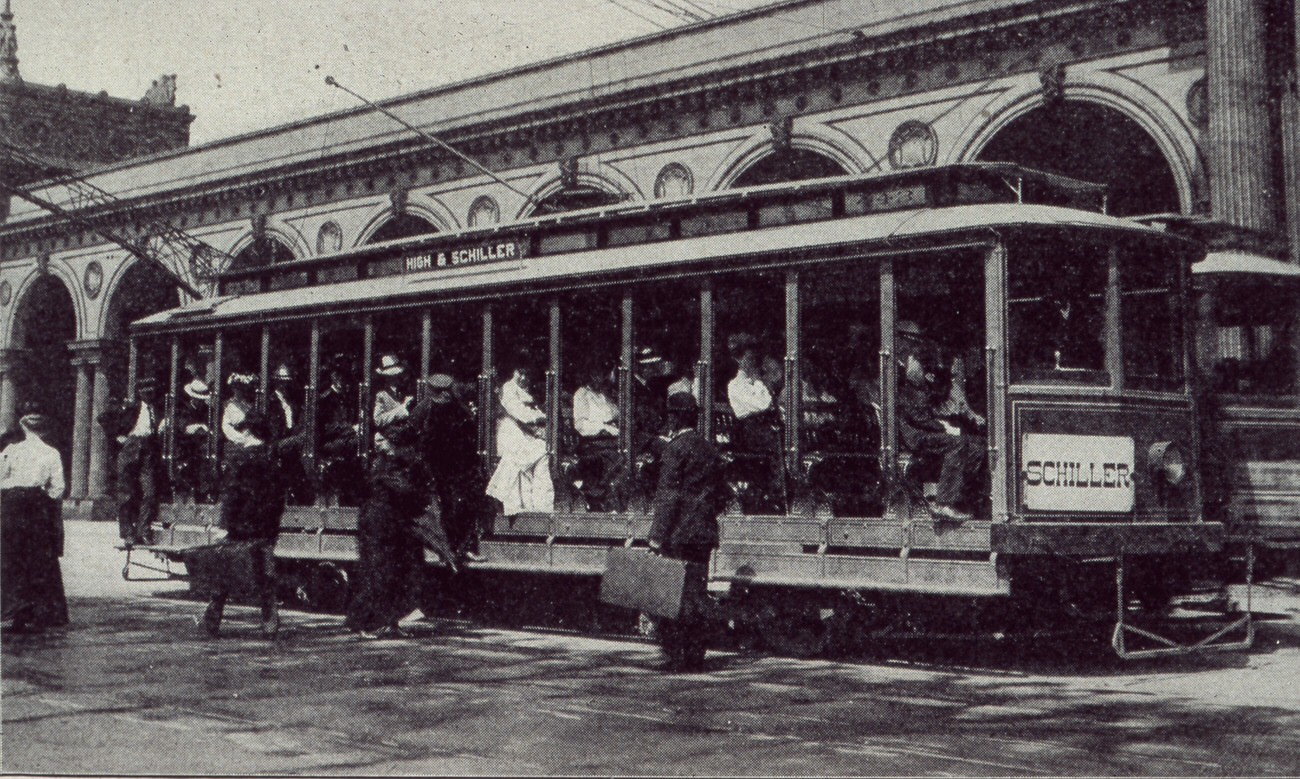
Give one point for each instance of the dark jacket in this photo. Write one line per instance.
(252, 495)
(691, 493)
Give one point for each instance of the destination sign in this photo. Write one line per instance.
(460, 257)
(1077, 473)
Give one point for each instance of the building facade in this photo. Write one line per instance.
(1183, 106)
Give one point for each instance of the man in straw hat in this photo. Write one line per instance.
(31, 528)
(135, 425)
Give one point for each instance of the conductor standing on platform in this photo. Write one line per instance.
(691, 494)
(135, 426)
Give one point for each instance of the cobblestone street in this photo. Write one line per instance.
(131, 687)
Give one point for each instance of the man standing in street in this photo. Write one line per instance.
(135, 426)
(691, 494)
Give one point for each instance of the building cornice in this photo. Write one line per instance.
(894, 63)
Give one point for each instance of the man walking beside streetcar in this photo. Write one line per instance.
(690, 495)
(135, 425)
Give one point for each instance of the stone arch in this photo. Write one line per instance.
(1170, 133)
(432, 212)
(609, 182)
(45, 320)
(71, 283)
(136, 290)
(830, 143)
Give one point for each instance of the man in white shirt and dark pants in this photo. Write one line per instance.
(31, 528)
(135, 426)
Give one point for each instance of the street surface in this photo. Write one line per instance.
(131, 687)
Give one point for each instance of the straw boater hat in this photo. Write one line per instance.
(389, 365)
(648, 356)
(241, 380)
(198, 389)
(283, 372)
(439, 381)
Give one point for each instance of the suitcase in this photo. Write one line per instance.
(637, 579)
(233, 568)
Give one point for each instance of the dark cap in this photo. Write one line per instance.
(683, 402)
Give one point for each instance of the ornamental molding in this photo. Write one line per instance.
(862, 70)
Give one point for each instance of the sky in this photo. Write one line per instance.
(242, 65)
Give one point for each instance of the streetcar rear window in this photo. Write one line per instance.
(1152, 322)
(1056, 302)
(1249, 336)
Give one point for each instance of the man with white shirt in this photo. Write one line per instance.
(31, 528)
(135, 426)
(285, 410)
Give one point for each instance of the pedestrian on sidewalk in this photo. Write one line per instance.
(691, 493)
(31, 527)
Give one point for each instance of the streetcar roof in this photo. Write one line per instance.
(1244, 263)
(903, 228)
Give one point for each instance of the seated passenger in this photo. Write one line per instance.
(758, 429)
(522, 479)
(595, 418)
(925, 432)
(392, 400)
(243, 394)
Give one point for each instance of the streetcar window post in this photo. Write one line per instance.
(995, 371)
(625, 358)
(169, 414)
(793, 384)
(704, 366)
(264, 370)
(218, 392)
(132, 367)
(487, 380)
(553, 390)
(888, 372)
(365, 399)
(426, 353)
(1113, 322)
(312, 402)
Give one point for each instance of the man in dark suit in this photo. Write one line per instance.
(691, 494)
(134, 425)
(925, 432)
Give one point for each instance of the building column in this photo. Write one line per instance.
(8, 388)
(81, 421)
(1242, 158)
(97, 477)
(90, 456)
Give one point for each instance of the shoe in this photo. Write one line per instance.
(473, 557)
(369, 635)
(211, 622)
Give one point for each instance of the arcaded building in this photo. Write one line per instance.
(1181, 106)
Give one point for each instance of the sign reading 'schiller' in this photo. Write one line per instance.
(1077, 472)
(468, 255)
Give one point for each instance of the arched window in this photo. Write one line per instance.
(402, 226)
(1093, 143)
(788, 165)
(261, 252)
(575, 198)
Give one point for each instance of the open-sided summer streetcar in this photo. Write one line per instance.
(1064, 334)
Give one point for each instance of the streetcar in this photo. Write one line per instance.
(1064, 331)
(1248, 315)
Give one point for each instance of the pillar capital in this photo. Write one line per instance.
(91, 351)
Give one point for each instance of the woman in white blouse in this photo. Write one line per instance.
(758, 428)
(522, 479)
(31, 528)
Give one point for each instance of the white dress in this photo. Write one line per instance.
(522, 479)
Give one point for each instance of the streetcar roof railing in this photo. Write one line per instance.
(848, 237)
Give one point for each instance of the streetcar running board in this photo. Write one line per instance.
(1168, 647)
